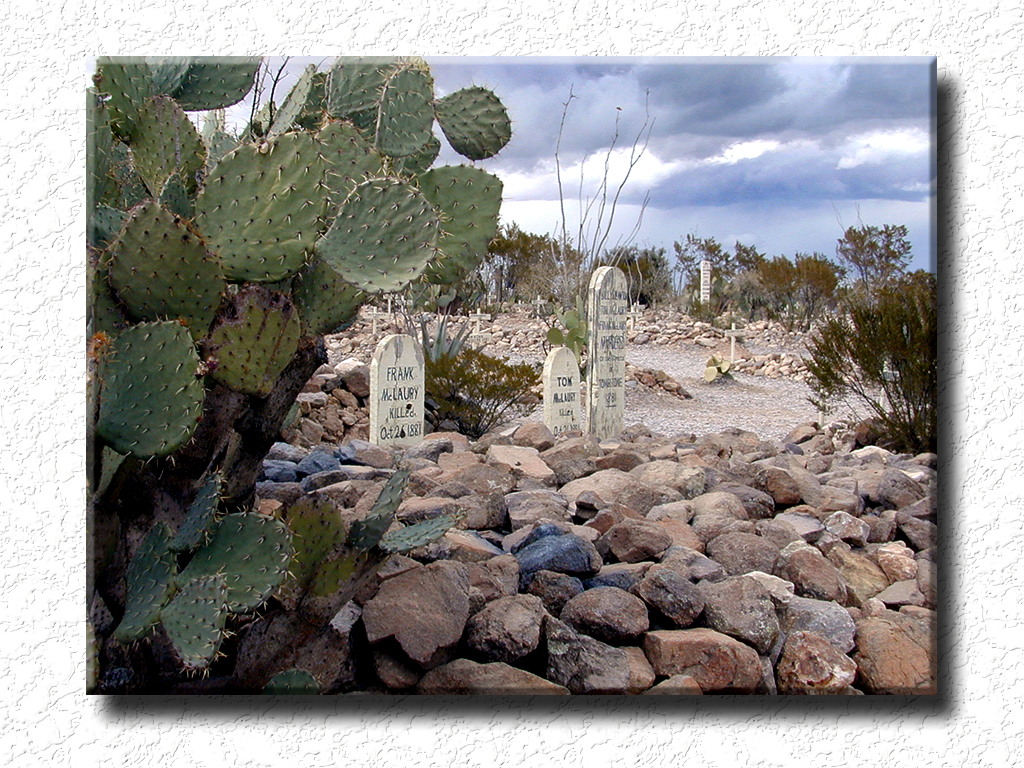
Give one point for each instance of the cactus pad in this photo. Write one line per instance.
(150, 582)
(160, 268)
(418, 161)
(355, 85)
(383, 236)
(293, 104)
(127, 81)
(405, 115)
(469, 200)
(202, 514)
(165, 142)
(367, 533)
(215, 83)
(104, 225)
(350, 161)
(254, 340)
(292, 682)
(324, 300)
(474, 121)
(151, 400)
(261, 207)
(418, 535)
(317, 530)
(252, 551)
(194, 620)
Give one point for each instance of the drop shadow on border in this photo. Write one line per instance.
(354, 710)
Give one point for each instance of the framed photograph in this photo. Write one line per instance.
(512, 376)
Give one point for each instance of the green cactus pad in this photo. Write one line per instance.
(313, 112)
(202, 514)
(150, 582)
(151, 400)
(418, 161)
(254, 340)
(216, 82)
(384, 235)
(293, 104)
(252, 551)
(175, 198)
(292, 682)
(105, 225)
(99, 147)
(127, 81)
(350, 160)
(405, 115)
(419, 535)
(342, 570)
(474, 121)
(469, 200)
(218, 144)
(324, 300)
(166, 142)
(167, 72)
(367, 533)
(355, 85)
(317, 530)
(261, 207)
(160, 268)
(194, 620)
(126, 189)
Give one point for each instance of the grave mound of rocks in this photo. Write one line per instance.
(646, 564)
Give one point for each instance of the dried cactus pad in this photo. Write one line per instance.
(151, 400)
(161, 269)
(254, 340)
(194, 620)
(384, 235)
(475, 122)
(261, 206)
(150, 581)
(252, 551)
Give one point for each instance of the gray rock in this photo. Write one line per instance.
(317, 461)
(741, 608)
(567, 554)
(741, 553)
(582, 664)
(506, 629)
(278, 471)
(554, 589)
(671, 594)
(609, 614)
(825, 618)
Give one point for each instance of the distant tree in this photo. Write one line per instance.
(724, 264)
(817, 280)
(798, 289)
(648, 275)
(778, 279)
(874, 255)
(527, 265)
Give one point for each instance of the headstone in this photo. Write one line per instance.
(733, 335)
(606, 352)
(637, 310)
(477, 339)
(396, 391)
(705, 282)
(538, 304)
(561, 379)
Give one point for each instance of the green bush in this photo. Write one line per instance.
(475, 391)
(882, 354)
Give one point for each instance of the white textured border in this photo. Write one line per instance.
(48, 720)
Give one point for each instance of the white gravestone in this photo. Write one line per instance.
(396, 392)
(606, 352)
(476, 338)
(705, 282)
(561, 379)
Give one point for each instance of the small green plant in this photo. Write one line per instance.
(439, 345)
(476, 392)
(717, 368)
(573, 333)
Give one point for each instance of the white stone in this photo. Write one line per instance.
(561, 380)
(606, 313)
(396, 391)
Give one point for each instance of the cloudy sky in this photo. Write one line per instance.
(779, 153)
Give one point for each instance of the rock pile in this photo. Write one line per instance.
(645, 564)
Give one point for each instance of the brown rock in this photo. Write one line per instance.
(682, 534)
(641, 673)
(671, 594)
(863, 578)
(689, 481)
(533, 434)
(621, 459)
(609, 614)
(896, 654)
(521, 462)
(465, 677)
(554, 589)
(677, 685)
(741, 608)
(507, 629)
(627, 490)
(633, 541)
(741, 553)
(424, 609)
(715, 661)
(812, 575)
(585, 665)
(811, 665)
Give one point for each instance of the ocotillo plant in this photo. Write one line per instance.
(216, 264)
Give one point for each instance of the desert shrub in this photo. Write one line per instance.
(475, 391)
(882, 354)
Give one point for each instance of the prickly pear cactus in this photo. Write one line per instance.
(216, 261)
